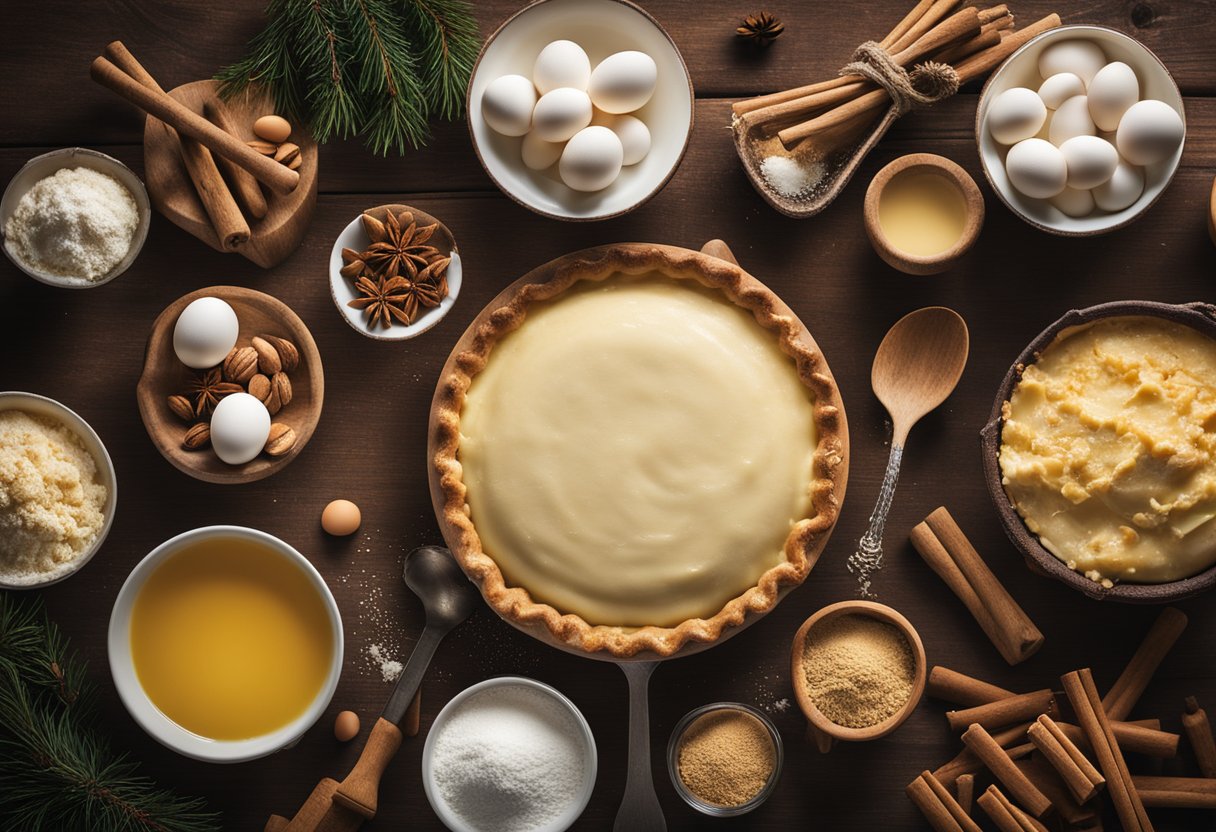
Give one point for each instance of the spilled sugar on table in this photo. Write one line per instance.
(86, 349)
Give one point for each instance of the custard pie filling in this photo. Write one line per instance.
(638, 453)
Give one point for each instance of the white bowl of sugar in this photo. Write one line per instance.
(509, 754)
(74, 218)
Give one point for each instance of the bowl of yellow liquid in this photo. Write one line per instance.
(225, 644)
(922, 213)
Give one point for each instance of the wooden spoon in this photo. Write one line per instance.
(916, 367)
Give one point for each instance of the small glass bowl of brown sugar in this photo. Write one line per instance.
(725, 758)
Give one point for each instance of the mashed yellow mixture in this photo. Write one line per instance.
(1107, 450)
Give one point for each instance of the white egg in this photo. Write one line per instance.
(1037, 168)
(240, 426)
(592, 159)
(1016, 114)
(1122, 189)
(539, 154)
(1082, 58)
(623, 82)
(1091, 161)
(1070, 119)
(1149, 131)
(1113, 90)
(1074, 202)
(560, 114)
(634, 136)
(1059, 88)
(205, 332)
(507, 104)
(562, 63)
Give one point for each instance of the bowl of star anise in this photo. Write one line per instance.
(394, 272)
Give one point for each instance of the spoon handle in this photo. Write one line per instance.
(868, 557)
(640, 810)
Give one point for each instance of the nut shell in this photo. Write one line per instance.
(289, 355)
(240, 365)
(273, 402)
(259, 387)
(281, 385)
(182, 408)
(264, 147)
(197, 437)
(287, 153)
(268, 357)
(281, 440)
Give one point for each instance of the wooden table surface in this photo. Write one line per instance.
(86, 350)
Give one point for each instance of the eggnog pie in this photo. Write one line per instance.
(638, 450)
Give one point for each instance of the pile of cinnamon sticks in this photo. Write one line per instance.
(1047, 769)
(973, 41)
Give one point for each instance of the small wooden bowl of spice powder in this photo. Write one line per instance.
(858, 670)
(724, 759)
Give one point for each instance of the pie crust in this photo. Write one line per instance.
(507, 313)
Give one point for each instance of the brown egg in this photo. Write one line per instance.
(346, 726)
(341, 517)
(272, 128)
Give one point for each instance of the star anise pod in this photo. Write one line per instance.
(398, 245)
(420, 295)
(354, 264)
(436, 274)
(760, 29)
(207, 388)
(382, 300)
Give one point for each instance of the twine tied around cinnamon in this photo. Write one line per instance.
(928, 83)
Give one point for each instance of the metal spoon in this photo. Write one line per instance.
(640, 810)
(916, 367)
(449, 598)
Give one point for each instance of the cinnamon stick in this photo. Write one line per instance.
(1199, 732)
(1046, 780)
(1079, 685)
(918, 11)
(1176, 792)
(1006, 816)
(1133, 736)
(962, 689)
(245, 187)
(927, 21)
(942, 544)
(981, 743)
(187, 123)
(964, 787)
(938, 806)
(1004, 712)
(1074, 768)
(1126, 690)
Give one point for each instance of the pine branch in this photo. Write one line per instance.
(58, 772)
(448, 40)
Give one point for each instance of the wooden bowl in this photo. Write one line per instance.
(822, 730)
(1199, 316)
(1212, 214)
(274, 236)
(164, 375)
(916, 163)
(343, 292)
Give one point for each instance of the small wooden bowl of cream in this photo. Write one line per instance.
(858, 670)
(922, 213)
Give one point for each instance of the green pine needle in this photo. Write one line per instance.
(376, 68)
(58, 771)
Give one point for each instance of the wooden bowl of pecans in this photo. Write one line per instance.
(275, 360)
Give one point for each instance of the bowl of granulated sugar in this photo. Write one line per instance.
(509, 754)
(74, 218)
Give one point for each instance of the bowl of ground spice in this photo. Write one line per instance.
(724, 759)
(58, 491)
(74, 218)
(858, 670)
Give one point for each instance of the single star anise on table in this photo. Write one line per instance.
(760, 29)
(207, 388)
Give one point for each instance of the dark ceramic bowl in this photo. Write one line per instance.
(1198, 316)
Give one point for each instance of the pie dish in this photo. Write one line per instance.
(635, 446)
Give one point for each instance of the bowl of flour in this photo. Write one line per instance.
(509, 754)
(74, 218)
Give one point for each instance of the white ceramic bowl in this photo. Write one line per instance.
(159, 726)
(449, 817)
(1021, 70)
(343, 292)
(75, 157)
(51, 409)
(601, 27)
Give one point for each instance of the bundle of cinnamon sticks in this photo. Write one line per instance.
(1046, 769)
(970, 40)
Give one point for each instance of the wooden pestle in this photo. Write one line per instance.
(226, 221)
(246, 188)
(172, 112)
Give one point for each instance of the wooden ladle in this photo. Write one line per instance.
(916, 367)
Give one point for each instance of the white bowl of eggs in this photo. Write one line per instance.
(580, 109)
(1080, 130)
